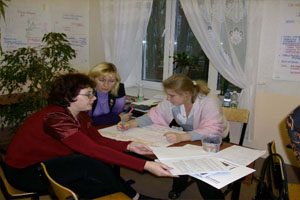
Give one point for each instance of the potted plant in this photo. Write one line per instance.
(2, 6)
(195, 67)
(28, 73)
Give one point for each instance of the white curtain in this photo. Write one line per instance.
(229, 33)
(123, 25)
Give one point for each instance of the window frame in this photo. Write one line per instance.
(169, 43)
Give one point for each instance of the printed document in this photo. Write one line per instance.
(182, 152)
(240, 155)
(181, 159)
(189, 159)
(195, 165)
(220, 180)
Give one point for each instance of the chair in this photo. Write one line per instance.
(9, 191)
(237, 115)
(293, 188)
(232, 115)
(63, 193)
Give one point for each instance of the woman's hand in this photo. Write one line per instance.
(123, 126)
(125, 116)
(158, 169)
(139, 148)
(173, 137)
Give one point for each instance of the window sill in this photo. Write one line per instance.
(148, 93)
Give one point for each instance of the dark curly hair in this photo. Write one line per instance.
(66, 87)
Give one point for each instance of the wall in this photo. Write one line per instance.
(95, 46)
(275, 99)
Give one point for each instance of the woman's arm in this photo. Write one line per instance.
(208, 118)
(65, 129)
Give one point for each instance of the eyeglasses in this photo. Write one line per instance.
(89, 95)
(108, 81)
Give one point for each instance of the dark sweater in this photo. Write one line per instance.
(107, 107)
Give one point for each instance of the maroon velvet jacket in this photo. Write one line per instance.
(54, 132)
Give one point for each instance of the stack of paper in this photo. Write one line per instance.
(217, 169)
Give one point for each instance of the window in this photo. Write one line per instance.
(170, 44)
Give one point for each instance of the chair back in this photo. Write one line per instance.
(61, 192)
(8, 190)
(272, 147)
(238, 115)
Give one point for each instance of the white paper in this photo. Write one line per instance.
(220, 180)
(240, 155)
(217, 169)
(195, 165)
(149, 102)
(186, 151)
(152, 136)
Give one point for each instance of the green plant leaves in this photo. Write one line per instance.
(31, 72)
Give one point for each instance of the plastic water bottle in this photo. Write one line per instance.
(140, 94)
(234, 100)
(227, 98)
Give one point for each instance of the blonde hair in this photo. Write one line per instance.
(181, 83)
(104, 69)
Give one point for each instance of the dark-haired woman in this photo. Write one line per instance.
(62, 136)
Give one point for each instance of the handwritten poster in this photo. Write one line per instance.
(287, 66)
(23, 27)
(75, 25)
(26, 25)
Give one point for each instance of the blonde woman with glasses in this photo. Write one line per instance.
(110, 93)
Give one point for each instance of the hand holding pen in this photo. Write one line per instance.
(125, 117)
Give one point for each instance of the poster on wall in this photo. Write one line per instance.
(23, 27)
(75, 26)
(287, 66)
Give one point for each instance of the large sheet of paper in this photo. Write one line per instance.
(235, 158)
(220, 180)
(152, 136)
(217, 169)
(195, 165)
(240, 155)
(186, 151)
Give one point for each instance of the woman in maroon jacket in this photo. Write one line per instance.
(62, 136)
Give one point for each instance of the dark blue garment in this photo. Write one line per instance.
(295, 142)
(107, 107)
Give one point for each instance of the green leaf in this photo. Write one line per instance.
(34, 69)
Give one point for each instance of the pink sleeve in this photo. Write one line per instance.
(209, 117)
(161, 114)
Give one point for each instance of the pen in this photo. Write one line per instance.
(122, 123)
(131, 109)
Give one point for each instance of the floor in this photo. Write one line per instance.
(153, 186)
(150, 185)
